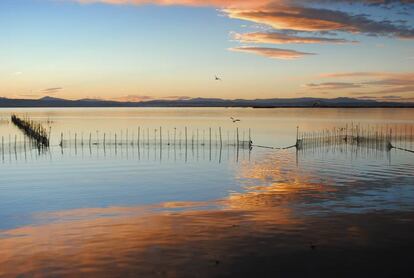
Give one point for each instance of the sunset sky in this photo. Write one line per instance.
(141, 49)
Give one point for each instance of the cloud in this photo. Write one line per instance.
(177, 97)
(52, 90)
(378, 83)
(196, 3)
(293, 15)
(134, 98)
(383, 78)
(279, 38)
(239, 3)
(274, 53)
(297, 16)
(306, 19)
(404, 80)
(391, 90)
(333, 86)
(354, 74)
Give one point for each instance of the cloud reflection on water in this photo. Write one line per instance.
(271, 219)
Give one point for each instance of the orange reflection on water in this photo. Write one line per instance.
(124, 240)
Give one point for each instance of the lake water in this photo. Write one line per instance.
(170, 206)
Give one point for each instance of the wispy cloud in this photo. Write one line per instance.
(177, 97)
(302, 18)
(280, 38)
(52, 90)
(372, 83)
(361, 74)
(390, 90)
(274, 53)
(134, 98)
(333, 85)
(197, 3)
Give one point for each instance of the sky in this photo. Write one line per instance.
(134, 50)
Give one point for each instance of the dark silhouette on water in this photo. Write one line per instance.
(35, 131)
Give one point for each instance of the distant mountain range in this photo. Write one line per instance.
(204, 102)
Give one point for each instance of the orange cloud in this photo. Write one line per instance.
(197, 3)
(300, 18)
(274, 53)
(285, 18)
(279, 38)
(378, 83)
(333, 85)
(354, 74)
(134, 98)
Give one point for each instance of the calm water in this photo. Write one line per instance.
(196, 209)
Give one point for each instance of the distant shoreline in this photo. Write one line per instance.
(306, 102)
(252, 107)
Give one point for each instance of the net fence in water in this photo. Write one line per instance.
(180, 143)
(370, 137)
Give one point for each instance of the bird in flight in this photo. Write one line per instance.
(217, 78)
(235, 120)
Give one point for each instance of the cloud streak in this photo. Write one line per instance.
(134, 98)
(378, 83)
(273, 53)
(297, 16)
(52, 90)
(195, 3)
(279, 38)
(333, 86)
(305, 19)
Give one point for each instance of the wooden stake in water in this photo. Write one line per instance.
(297, 136)
(139, 134)
(250, 137)
(209, 137)
(186, 137)
(237, 133)
(160, 136)
(192, 139)
(221, 140)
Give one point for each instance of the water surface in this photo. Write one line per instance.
(203, 208)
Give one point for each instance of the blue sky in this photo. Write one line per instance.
(132, 51)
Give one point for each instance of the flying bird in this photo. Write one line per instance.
(235, 120)
(217, 78)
